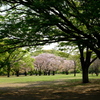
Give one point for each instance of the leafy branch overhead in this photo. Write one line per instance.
(37, 22)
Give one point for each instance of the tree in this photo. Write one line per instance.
(39, 61)
(76, 57)
(27, 64)
(6, 62)
(17, 67)
(24, 65)
(72, 17)
(55, 63)
(85, 57)
(95, 67)
(47, 62)
(68, 65)
(13, 59)
(58, 20)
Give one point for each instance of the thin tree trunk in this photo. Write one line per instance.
(53, 73)
(74, 68)
(17, 73)
(74, 72)
(67, 73)
(44, 72)
(8, 73)
(49, 72)
(40, 73)
(8, 70)
(96, 72)
(36, 72)
(31, 73)
(25, 73)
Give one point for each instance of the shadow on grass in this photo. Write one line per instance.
(52, 90)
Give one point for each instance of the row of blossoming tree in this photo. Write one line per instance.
(49, 63)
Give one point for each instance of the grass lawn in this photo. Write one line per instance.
(58, 87)
(21, 79)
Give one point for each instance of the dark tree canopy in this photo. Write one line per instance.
(37, 22)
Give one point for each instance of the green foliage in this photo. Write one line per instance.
(55, 52)
(76, 58)
(15, 59)
(40, 21)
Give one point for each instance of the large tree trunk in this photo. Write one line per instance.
(85, 66)
(85, 77)
(85, 62)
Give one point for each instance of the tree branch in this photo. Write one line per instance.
(10, 8)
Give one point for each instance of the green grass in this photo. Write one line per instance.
(21, 79)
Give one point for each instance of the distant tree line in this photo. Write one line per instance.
(42, 62)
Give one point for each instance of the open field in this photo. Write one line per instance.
(14, 79)
(58, 87)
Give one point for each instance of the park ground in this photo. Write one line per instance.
(58, 87)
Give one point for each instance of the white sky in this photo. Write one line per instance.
(50, 46)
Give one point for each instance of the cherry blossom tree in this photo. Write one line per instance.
(67, 65)
(38, 64)
(50, 63)
(55, 63)
(47, 62)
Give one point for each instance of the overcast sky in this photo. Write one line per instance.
(51, 46)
